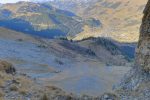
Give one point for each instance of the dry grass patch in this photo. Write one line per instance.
(2, 83)
(13, 88)
(1, 93)
(45, 97)
(3, 78)
(7, 67)
(23, 91)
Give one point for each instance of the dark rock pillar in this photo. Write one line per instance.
(142, 60)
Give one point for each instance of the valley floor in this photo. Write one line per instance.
(79, 75)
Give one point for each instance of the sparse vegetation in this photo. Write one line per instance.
(20, 40)
(44, 97)
(42, 46)
(76, 61)
(41, 20)
(63, 38)
(2, 83)
(23, 91)
(112, 14)
(7, 67)
(109, 96)
(13, 88)
(1, 94)
(58, 61)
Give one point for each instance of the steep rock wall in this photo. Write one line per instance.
(136, 83)
(143, 49)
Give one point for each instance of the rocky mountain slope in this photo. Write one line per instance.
(120, 18)
(42, 19)
(143, 50)
(20, 87)
(108, 51)
(77, 19)
(89, 66)
(136, 83)
(92, 47)
(75, 66)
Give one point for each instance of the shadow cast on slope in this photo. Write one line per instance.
(26, 27)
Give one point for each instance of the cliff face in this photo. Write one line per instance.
(143, 50)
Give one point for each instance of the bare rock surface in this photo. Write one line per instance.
(143, 50)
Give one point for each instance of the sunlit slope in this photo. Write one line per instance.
(120, 18)
(42, 19)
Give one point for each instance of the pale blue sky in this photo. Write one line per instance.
(11, 1)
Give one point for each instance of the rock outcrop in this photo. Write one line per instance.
(143, 50)
(136, 83)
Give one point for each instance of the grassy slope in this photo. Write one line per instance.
(14, 35)
(40, 17)
(120, 18)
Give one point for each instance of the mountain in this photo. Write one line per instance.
(83, 65)
(109, 51)
(120, 18)
(135, 84)
(94, 48)
(42, 19)
(33, 67)
(76, 19)
(8, 34)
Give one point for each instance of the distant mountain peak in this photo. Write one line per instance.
(43, 19)
(117, 16)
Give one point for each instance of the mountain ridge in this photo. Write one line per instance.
(42, 19)
(124, 23)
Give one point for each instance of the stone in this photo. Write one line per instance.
(143, 50)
